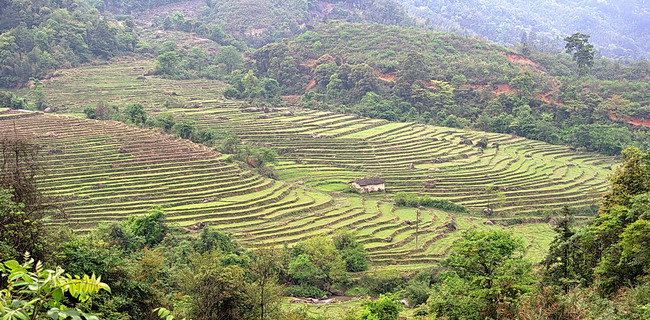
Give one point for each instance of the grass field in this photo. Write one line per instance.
(108, 171)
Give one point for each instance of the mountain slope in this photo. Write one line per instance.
(618, 28)
(408, 74)
(331, 148)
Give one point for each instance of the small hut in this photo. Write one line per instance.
(368, 185)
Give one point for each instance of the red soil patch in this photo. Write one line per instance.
(546, 97)
(503, 88)
(639, 122)
(388, 77)
(632, 120)
(326, 8)
(519, 59)
(311, 85)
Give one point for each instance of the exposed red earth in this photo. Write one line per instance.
(388, 77)
(503, 88)
(311, 85)
(521, 60)
(635, 121)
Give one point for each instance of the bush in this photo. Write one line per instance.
(355, 259)
(387, 307)
(384, 282)
(306, 291)
(206, 137)
(357, 292)
(90, 113)
(9, 100)
(413, 200)
(352, 252)
(417, 292)
(164, 121)
(418, 289)
(185, 129)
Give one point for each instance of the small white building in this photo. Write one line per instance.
(368, 185)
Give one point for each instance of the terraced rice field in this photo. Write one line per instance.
(109, 170)
(123, 82)
(327, 150)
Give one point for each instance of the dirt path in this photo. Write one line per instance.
(311, 85)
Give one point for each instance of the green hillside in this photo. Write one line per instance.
(336, 148)
(323, 151)
(37, 37)
(407, 74)
(323, 160)
(616, 26)
(257, 23)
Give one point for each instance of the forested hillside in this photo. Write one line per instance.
(37, 37)
(618, 28)
(408, 74)
(261, 22)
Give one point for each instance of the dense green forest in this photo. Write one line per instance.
(37, 37)
(407, 74)
(617, 27)
(260, 22)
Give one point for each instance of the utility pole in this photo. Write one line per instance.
(417, 226)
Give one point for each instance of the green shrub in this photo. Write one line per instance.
(413, 200)
(352, 252)
(357, 292)
(306, 291)
(387, 307)
(384, 282)
(417, 292)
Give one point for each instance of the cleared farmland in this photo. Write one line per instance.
(321, 152)
(327, 150)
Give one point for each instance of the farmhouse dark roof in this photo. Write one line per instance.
(369, 181)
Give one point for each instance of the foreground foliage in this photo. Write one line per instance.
(36, 293)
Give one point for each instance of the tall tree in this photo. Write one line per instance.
(583, 51)
(22, 205)
(559, 260)
(487, 273)
(230, 57)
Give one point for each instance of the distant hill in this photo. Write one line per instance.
(263, 21)
(409, 74)
(618, 28)
(258, 22)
